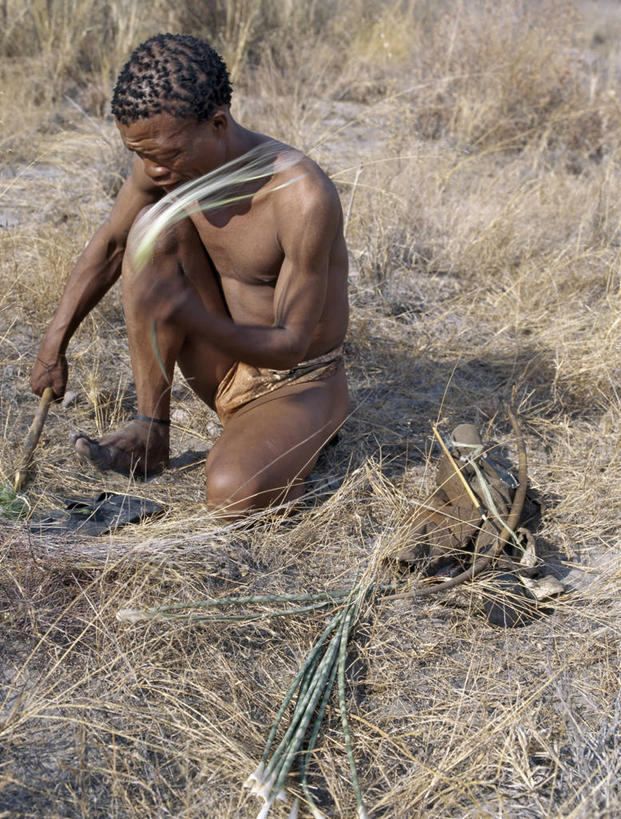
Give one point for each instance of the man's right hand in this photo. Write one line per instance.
(49, 372)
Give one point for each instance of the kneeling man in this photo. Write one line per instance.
(249, 299)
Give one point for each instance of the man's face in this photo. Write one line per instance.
(174, 150)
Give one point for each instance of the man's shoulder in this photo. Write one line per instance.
(135, 194)
(305, 186)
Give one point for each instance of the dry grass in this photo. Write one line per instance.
(476, 149)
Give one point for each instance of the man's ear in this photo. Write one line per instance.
(219, 122)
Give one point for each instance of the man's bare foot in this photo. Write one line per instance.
(140, 447)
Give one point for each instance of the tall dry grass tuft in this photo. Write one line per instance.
(500, 76)
(475, 147)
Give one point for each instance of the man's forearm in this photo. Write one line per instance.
(95, 272)
(276, 347)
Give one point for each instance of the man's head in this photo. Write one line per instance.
(174, 74)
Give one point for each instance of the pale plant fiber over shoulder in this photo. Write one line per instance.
(220, 187)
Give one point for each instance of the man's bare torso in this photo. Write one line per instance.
(242, 241)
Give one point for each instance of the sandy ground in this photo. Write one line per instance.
(450, 716)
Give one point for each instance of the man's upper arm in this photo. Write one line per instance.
(135, 194)
(97, 268)
(308, 225)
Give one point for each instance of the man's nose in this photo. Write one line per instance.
(155, 171)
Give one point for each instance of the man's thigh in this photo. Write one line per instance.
(272, 444)
(203, 365)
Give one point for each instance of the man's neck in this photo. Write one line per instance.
(241, 140)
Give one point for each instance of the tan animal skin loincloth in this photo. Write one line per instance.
(244, 383)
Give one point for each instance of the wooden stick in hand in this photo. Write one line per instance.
(34, 433)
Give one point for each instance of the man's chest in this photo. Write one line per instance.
(242, 245)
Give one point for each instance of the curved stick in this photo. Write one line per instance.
(483, 562)
(34, 433)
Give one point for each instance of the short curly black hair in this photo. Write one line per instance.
(175, 74)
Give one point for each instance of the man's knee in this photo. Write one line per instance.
(229, 488)
(182, 229)
(158, 288)
(168, 247)
(232, 490)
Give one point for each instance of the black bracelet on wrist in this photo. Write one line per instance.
(48, 367)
